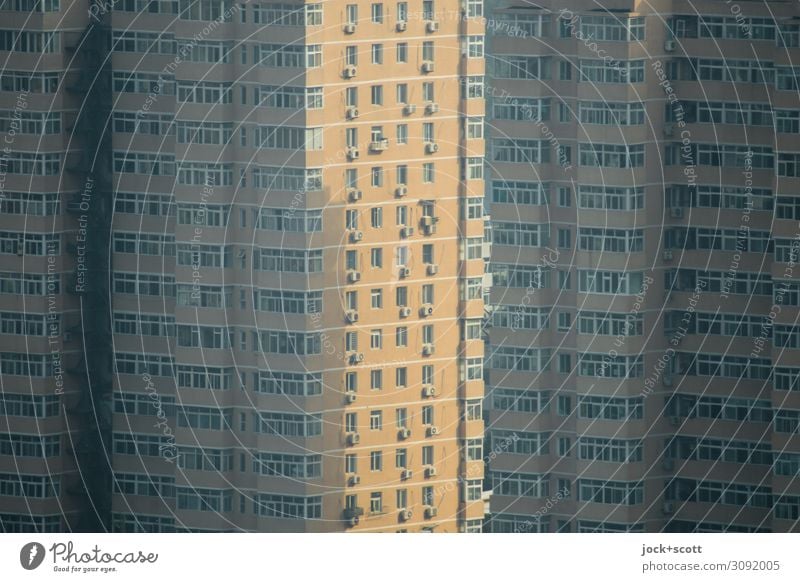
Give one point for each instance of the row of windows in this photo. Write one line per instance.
(610, 492)
(724, 239)
(28, 82)
(610, 407)
(725, 324)
(288, 55)
(717, 196)
(723, 493)
(277, 301)
(32, 164)
(24, 284)
(609, 323)
(718, 408)
(31, 5)
(521, 317)
(732, 112)
(722, 366)
(738, 283)
(33, 486)
(520, 234)
(519, 400)
(694, 448)
(724, 27)
(288, 97)
(287, 425)
(29, 405)
(144, 324)
(35, 324)
(607, 366)
(24, 445)
(27, 41)
(30, 203)
(26, 364)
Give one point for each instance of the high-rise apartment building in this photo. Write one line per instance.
(643, 342)
(241, 266)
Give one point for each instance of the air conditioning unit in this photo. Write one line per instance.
(426, 310)
(356, 358)
(431, 148)
(433, 430)
(353, 438)
(432, 26)
(427, 66)
(351, 316)
(428, 349)
(354, 195)
(667, 508)
(667, 255)
(351, 112)
(379, 145)
(350, 71)
(350, 397)
(405, 514)
(405, 312)
(353, 276)
(404, 433)
(432, 108)
(405, 272)
(409, 108)
(433, 269)
(406, 474)
(406, 232)
(669, 45)
(429, 230)
(431, 512)
(352, 153)
(666, 380)
(349, 28)
(401, 26)
(676, 212)
(354, 480)
(426, 221)
(430, 471)
(352, 522)
(356, 236)
(428, 391)
(669, 130)
(401, 191)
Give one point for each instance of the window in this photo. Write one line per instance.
(520, 67)
(377, 54)
(376, 298)
(377, 13)
(402, 52)
(376, 461)
(376, 258)
(474, 46)
(376, 339)
(376, 379)
(401, 337)
(376, 177)
(428, 173)
(376, 420)
(604, 71)
(376, 498)
(376, 217)
(401, 419)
